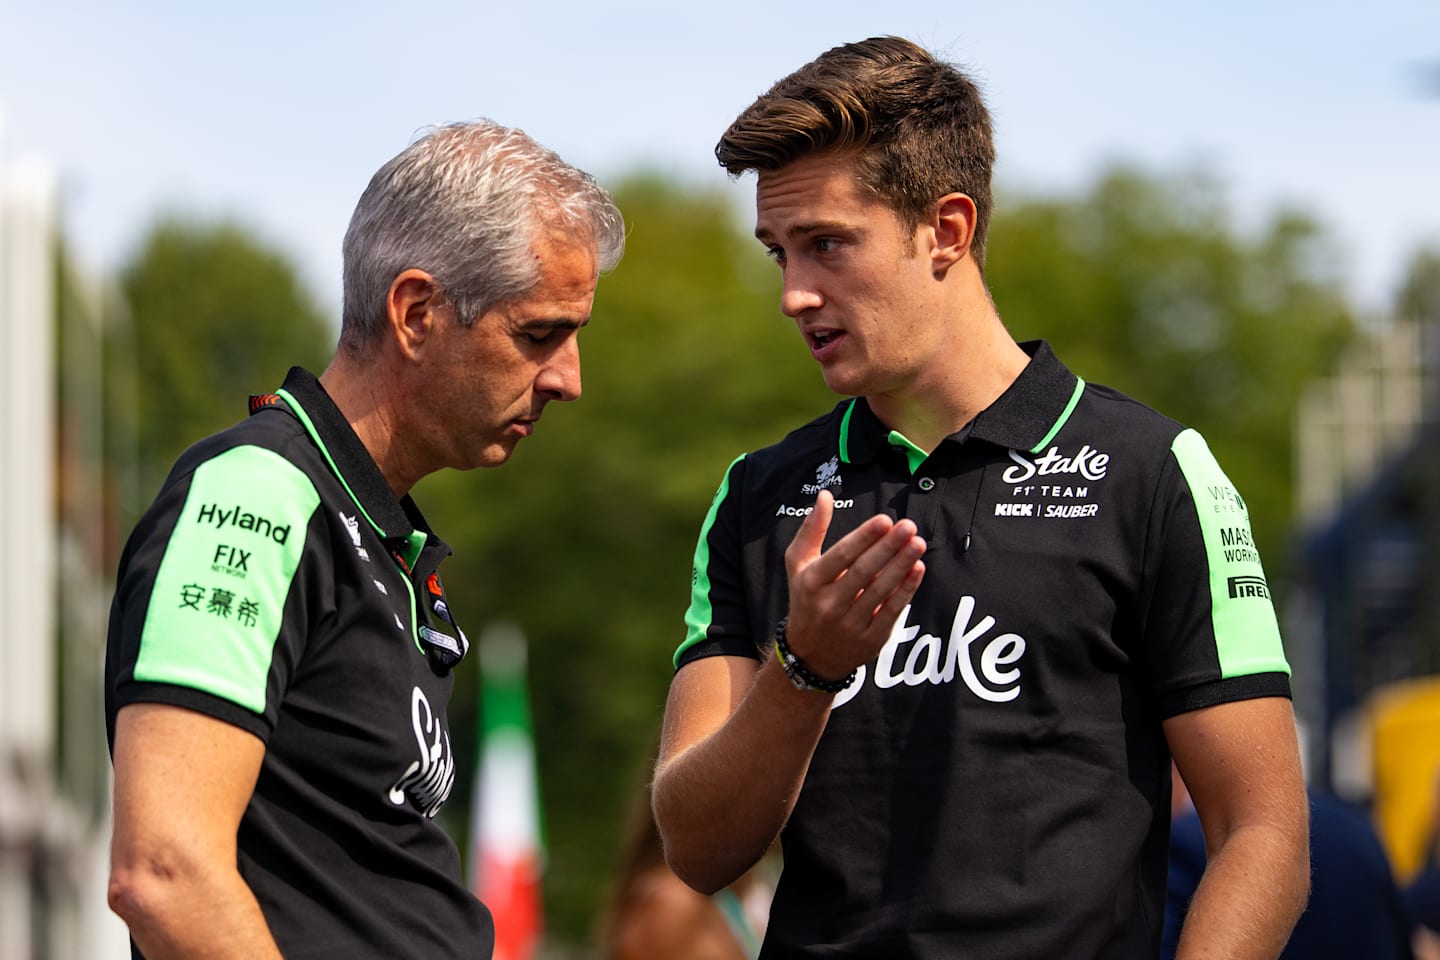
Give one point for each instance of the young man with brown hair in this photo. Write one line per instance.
(1008, 596)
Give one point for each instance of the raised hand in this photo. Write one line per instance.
(844, 601)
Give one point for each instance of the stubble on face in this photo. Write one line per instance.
(502, 370)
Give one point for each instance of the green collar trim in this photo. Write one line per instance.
(914, 456)
(1064, 416)
(304, 418)
(845, 432)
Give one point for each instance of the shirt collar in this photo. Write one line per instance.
(395, 520)
(1025, 417)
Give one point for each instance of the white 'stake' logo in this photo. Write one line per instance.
(991, 675)
(1089, 463)
(429, 779)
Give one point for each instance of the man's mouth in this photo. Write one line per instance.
(822, 337)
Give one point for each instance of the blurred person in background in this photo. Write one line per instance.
(949, 635)
(1355, 910)
(654, 915)
(281, 645)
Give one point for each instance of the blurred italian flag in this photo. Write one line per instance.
(508, 851)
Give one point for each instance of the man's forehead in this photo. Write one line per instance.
(804, 196)
(821, 171)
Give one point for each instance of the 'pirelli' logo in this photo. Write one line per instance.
(1248, 587)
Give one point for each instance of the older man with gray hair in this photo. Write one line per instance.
(280, 645)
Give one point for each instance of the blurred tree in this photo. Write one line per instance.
(214, 316)
(1419, 298)
(1145, 284)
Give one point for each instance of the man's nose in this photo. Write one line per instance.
(559, 379)
(798, 296)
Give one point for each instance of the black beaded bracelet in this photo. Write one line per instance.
(800, 674)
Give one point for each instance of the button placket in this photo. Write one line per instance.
(925, 504)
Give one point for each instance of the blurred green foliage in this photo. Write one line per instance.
(214, 315)
(585, 538)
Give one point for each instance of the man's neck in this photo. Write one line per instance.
(982, 363)
(364, 394)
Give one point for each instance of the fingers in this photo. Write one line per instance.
(805, 545)
(828, 566)
(891, 586)
(844, 602)
(858, 572)
(873, 623)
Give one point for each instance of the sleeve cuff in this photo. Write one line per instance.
(1251, 687)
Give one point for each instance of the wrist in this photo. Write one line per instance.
(800, 674)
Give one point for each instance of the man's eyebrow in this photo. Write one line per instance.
(554, 323)
(802, 229)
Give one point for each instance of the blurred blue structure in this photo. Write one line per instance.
(1363, 612)
(1371, 566)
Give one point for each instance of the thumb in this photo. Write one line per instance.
(808, 540)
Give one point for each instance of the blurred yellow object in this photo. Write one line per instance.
(1405, 736)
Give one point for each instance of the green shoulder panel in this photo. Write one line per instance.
(1247, 636)
(215, 612)
(700, 612)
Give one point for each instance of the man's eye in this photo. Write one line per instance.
(775, 253)
(826, 244)
(539, 339)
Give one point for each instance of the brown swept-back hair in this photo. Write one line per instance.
(916, 127)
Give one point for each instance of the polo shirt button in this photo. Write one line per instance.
(926, 484)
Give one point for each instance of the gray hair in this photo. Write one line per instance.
(465, 202)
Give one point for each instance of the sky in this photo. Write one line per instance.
(276, 114)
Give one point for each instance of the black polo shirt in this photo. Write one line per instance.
(277, 584)
(996, 782)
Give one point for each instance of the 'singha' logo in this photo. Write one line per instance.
(826, 475)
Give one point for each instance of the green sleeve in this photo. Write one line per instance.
(219, 594)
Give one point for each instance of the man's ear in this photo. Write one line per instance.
(414, 307)
(954, 225)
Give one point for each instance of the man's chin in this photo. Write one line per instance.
(846, 386)
(492, 456)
